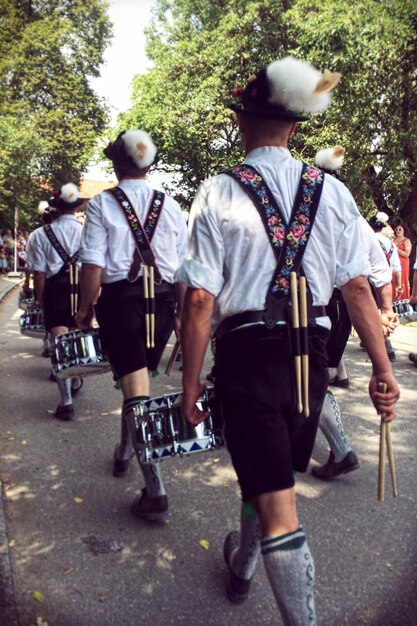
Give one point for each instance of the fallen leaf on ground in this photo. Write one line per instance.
(204, 544)
(12, 542)
(38, 596)
(78, 500)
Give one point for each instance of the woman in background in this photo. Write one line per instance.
(404, 246)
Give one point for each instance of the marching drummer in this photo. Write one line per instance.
(54, 261)
(242, 279)
(134, 239)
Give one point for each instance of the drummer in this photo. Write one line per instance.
(122, 265)
(53, 259)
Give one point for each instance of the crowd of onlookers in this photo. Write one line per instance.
(7, 251)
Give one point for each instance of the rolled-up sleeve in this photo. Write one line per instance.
(203, 268)
(353, 256)
(94, 238)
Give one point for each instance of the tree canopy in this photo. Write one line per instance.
(49, 115)
(202, 49)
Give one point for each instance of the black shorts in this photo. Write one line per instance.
(267, 439)
(57, 302)
(120, 313)
(341, 328)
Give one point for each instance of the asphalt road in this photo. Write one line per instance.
(71, 553)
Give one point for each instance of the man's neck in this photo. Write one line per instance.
(263, 143)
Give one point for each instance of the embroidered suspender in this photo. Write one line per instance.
(388, 254)
(58, 247)
(142, 235)
(70, 263)
(287, 241)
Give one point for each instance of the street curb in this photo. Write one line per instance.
(8, 610)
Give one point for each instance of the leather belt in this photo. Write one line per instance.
(252, 317)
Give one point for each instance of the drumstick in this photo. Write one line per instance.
(385, 438)
(146, 298)
(71, 279)
(304, 343)
(296, 335)
(76, 270)
(173, 356)
(152, 304)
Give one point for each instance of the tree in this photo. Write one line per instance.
(201, 50)
(50, 116)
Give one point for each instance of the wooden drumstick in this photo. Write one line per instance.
(146, 298)
(385, 439)
(296, 335)
(173, 356)
(76, 281)
(304, 343)
(71, 280)
(152, 304)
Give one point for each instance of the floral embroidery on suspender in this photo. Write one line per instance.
(288, 241)
(142, 234)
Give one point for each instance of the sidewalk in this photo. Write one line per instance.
(8, 613)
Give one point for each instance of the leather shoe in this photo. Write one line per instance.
(413, 358)
(331, 469)
(64, 412)
(237, 588)
(120, 466)
(150, 509)
(339, 382)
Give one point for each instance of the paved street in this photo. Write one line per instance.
(72, 554)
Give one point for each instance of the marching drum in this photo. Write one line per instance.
(78, 353)
(32, 323)
(405, 311)
(160, 430)
(26, 299)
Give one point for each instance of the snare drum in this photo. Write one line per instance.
(26, 299)
(32, 323)
(78, 353)
(405, 311)
(161, 431)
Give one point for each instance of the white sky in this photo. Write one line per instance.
(125, 57)
(123, 60)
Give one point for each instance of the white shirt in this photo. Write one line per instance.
(42, 255)
(230, 255)
(394, 261)
(108, 242)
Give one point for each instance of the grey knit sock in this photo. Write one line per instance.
(244, 558)
(341, 370)
(290, 569)
(153, 479)
(332, 428)
(125, 447)
(64, 386)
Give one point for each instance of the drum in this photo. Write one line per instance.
(26, 299)
(32, 323)
(78, 353)
(160, 430)
(405, 311)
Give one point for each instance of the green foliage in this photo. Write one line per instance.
(201, 50)
(50, 117)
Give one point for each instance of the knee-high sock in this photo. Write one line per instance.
(151, 471)
(64, 386)
(332, 428)
(290, 569)
(341, 370)
(245, 556)
(76, 382)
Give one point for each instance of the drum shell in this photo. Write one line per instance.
(78, 353)
(32, 323)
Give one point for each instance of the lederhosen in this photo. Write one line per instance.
(62, 295)
(341, 327)
(121, 308)
(266, 436)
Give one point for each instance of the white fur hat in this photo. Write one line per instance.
(133, 145)
(67, 197)
(42, 207)
(330, 158)
(287, 89)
